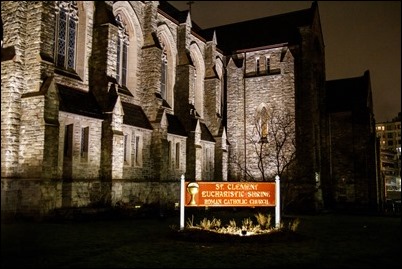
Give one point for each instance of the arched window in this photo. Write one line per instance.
(122, 47)
(263, 125)
(168, 64)
(164, 72)
(66, 34)
(198, 80)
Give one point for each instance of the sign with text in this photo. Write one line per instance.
(250, 194)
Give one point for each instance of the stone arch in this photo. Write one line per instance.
(136, 41)
(170, 48)
(198, 89)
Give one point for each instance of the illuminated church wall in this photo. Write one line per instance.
(146, 97)
(128, 142)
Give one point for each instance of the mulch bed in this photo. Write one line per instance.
(200, 235)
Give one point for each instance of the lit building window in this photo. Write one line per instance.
(66, 33)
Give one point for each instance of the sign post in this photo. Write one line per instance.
(277, 202)
(182, 198)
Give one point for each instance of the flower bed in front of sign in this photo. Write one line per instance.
(262, 230)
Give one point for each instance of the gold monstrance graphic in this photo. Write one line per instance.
(192, 189)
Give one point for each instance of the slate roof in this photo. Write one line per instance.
(174, 13)
(261, 32)
(175, 126)
(78, 102)
(205, 133)
(135, 116)
(273, 30)
(348, 94)
(179, 16)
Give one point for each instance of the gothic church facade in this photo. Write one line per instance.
(112, 102)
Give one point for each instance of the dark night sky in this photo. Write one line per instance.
(358, 36)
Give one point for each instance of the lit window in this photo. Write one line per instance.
(66, 33)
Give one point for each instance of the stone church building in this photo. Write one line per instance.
(112, 101)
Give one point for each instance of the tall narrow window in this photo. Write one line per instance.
(138, 151)
(68, 141)
(257, 66)
(170, 154)
(263, 125)
(177, 160)
(268, 65)
(163, 76)
(66, 33)
(84, 143)
(126, 149)
(122, 47)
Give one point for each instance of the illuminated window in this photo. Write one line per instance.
(122, 46)
(66, 33)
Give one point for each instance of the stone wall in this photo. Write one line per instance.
(37, 198)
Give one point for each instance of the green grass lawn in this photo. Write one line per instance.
(328, 241)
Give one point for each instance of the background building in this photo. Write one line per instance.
(111, 102)
(353, 149)
(389, 137)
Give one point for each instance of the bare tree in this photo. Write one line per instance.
(271, 150)
(270, 145)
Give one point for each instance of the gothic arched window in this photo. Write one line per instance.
(263, 125)
(122, 47)
(164, 72)
(66, 33)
